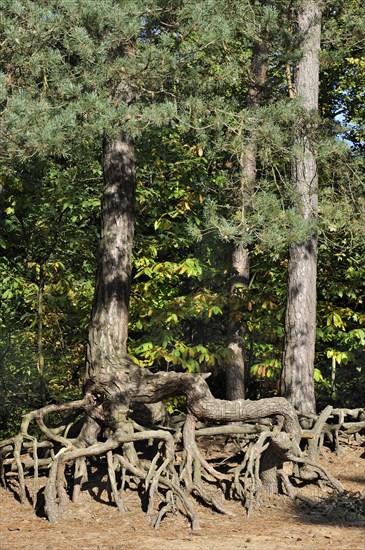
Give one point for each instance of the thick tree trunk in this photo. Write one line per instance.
(235, 370)
(108, 331)
(297, 383)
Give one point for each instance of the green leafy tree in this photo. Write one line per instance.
(342, 68)
(92, 60)
(47, 257)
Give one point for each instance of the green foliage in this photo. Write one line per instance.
(176, 75)
(341, 320)
(49, 238)
(343, 67)
(174, 306)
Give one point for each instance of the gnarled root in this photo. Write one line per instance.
(195, 469)
(157, 476)
(268, 427)
(17, 445)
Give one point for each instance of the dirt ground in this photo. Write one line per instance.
(278, 524)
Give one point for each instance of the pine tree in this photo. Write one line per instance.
(300, 322)
(78, 57)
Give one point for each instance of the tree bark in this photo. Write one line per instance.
(135, 385)
(297, 383)
(40, 347)
(108, 330)
(235, 370)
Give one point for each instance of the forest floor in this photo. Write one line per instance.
(279, 523)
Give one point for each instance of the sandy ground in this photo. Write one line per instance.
(278, 524)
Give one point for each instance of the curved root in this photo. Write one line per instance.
(169, 487)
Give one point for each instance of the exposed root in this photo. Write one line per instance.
(251, 480)
(80, 477)
(288, 488)
(268, 429)
(112, 464)
(36, 471)
(195, 469)
(323, 474)
(155, 476)
(173, 490)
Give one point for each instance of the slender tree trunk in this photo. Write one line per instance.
(235, 370)
(297, 383)
(108, 331)
(40, 348)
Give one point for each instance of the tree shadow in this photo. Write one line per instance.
(12, 486)
(14, 489)
(40, 504)
(356, 479)
(97, 483)
(345, 509)
(95, 486)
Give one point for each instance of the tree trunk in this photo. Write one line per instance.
(297, 383)
(235, 370)
(40, 347)
(108, 331)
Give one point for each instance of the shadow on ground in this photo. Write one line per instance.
(345, 509)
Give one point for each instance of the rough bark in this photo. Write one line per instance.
(235, 370)
(108, 331)
(133, 384)
(297, 383)
(40, 347)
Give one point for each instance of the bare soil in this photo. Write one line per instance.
(279, 523)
